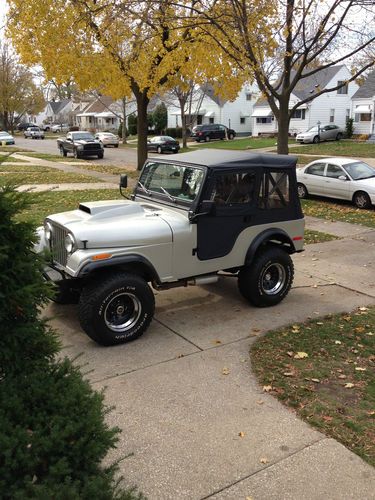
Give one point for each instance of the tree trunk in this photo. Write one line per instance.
(142, 127)
(124, 120)
(283, 127)
(183, 129)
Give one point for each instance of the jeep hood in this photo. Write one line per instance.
(114, 223)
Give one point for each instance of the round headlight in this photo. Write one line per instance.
(48, 231)
(70, 243)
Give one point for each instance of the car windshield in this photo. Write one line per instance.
(83, 135)
(175, 182)
(359, 170)
(4, 133)
(312, 129)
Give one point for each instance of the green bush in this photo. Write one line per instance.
(349, 128)
(132, 124)
(160, 118)
(53, 435)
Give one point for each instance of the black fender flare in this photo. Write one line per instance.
(274, 235)
(140, 263)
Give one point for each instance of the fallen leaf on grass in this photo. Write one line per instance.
(296, 329)
(342, 376)
(288, 374)
(225, 371)
(370, 334)
(359, 329)
(316, 380)
(338, 342)
(326, 418)
(320, 323)
(363, 308)
(347, 318)
(290, 353)
(301, 355)
(260, 402)
(349, 385)
(267, 388)
(360, 369)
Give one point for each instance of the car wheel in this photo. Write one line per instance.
(339, 136)
(230, 137)
(316, 139)
(62, 151)
(117, 309)
(65, 295)
(361, 200)
(76, 154)
(100, 156)
(159, 150)
(207, 138)
(302, 191)
(116, 145)
(267, 280)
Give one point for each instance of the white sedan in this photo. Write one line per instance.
(342, 178)
(107, 139)
(325, 132)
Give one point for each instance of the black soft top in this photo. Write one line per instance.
(219, 158)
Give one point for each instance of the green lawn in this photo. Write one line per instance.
(108, 169)
(325, 371)
(317, 237)
(245, 143)
(10, 159)
(342, 212)
(52, 176)
(50, 157)
(337, 148)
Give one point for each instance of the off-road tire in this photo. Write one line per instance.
(302, 190)
(65, 294)
(62, 151)
(316, 139)
(361, 200)
(121, 297)
(267, 280)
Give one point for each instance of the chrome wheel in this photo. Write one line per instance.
(273, 279)
(122, 312)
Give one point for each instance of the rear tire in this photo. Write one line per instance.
(117, 309)
(339, 136)
(230, 137)
(267, 280)
(302, 191)
(207, 138)
(316, 140)
(361, 200)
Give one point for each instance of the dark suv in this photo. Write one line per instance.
(212, 131)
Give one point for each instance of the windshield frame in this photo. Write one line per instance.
(167, 197)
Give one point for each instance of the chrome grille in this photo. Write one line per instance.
(59, 253)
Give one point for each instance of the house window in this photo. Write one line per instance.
(331, 115)
(264, 119)
(211, 119)
(347, 114)
(344, 89)
(242, 120)
(362, 117)
(248, 96)
(299, 114)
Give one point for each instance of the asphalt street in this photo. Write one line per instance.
(112, 156)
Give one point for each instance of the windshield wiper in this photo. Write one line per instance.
(168, 194)
(143, 188)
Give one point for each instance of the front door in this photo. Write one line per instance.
(234, 206)
(335, 187)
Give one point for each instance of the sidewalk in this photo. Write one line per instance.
(181, 416)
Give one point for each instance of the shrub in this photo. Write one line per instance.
(132, 125)
(349, 128)
(53, 435)
(160, 118)
(176, 132)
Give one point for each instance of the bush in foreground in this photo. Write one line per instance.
(53, 435)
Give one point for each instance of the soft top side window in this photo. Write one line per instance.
(233, 188)
(274, 190)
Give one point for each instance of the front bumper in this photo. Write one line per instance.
(50, 273)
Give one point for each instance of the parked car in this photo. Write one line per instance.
(25, 125)
(6, 138)
(342, 178)
(190, 216)
(108, 139)
(212, 131)
(324, 132)
(163, 143)
(81, 144)
(34, 133)
(60, 127)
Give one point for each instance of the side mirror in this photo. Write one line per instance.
(207, 207)
(123, 181)
(343, 178)
(69, 139)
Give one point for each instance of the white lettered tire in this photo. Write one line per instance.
(116, 309)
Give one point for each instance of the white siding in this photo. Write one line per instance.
(362, 127)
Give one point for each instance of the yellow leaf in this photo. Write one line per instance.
(241, 434)
(360, 369)
(267, 388)
(263, 461)
(349, 385)
(225, 371)
(338, 342)
(301, 355)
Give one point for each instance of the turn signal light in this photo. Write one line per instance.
(101, 256)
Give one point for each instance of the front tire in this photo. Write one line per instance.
(267, 280)
(361, 200)
(76, 154)
(316, 140)
(302, 191)
(100, 156)
(116, 310)
(231, 137)
(62, 151)
(207, 138)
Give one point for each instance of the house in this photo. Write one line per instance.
(208, 107)
(331, 107)
(363, 107)
(58, 111)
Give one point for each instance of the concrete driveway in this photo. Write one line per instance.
(181, 413)
(112, 156)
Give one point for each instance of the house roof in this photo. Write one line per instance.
(367, 89)
(305, 86)
(208, 89)
(58, 106)
(99, 105)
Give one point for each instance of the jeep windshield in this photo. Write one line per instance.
(169, 182)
